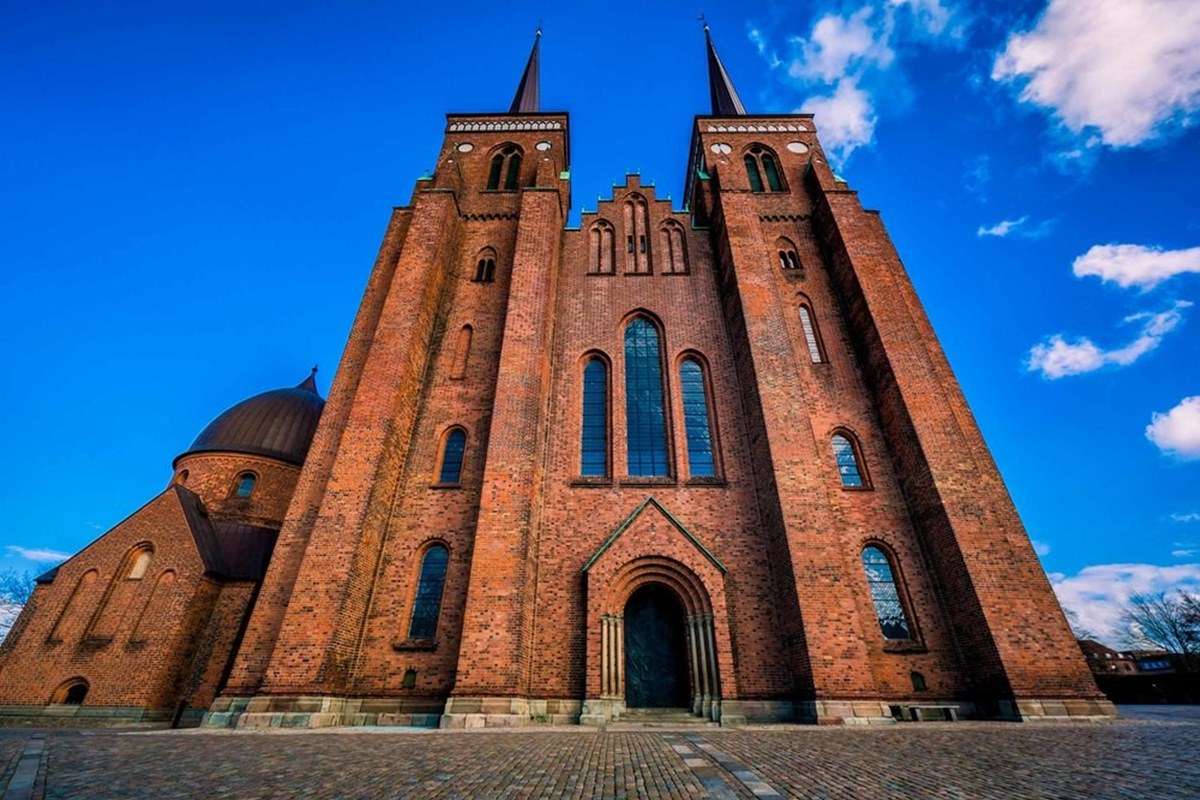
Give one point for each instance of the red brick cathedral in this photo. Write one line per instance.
(709, 459)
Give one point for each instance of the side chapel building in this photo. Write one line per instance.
(710, 459)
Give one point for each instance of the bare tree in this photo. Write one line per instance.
(1167, 622)
(15, 587)
(1080, 630)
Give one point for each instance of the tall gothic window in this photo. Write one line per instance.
(761, 161)
(811, 339)
(506, 164)
(452, 457)
(885, 595)
(637, 244)
(701, 463)
(645, 417)
(428, 601)
(485, 268)
(845, 453)
(672, 250)
(600, 248)
(594, 434)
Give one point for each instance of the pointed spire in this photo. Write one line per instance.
(310, 383)
(527, 98)
(725, 100)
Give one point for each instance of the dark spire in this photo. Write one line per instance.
(309, 383)
(526, 99)
(725, 100)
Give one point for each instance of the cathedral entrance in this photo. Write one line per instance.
(656, 656)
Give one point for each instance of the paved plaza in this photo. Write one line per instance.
(1150, 754)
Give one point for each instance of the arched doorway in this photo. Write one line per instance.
(656, 655)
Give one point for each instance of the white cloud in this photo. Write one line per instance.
(1002, 228)
(1056, 357)
(1125, 68)
(838, 43)
(1097, 593)
(1135, 265)
(1177, 432)
(1185, 552)
(1190, 516)
(1041, 548)
(40, 555)
(845, 118)
(842, 63)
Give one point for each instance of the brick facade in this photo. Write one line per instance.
(765, 555)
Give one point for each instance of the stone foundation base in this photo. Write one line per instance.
(268, 711)
(754, 712)
(509, 712)
(71, 716)
(1036, 709)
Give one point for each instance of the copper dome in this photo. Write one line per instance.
(278, 424)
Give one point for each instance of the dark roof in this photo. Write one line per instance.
(725, 100)
(231, 550)
(277, 424)
(528, 96)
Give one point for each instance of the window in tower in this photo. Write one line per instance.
(506, 165)
(428, 600)
(788, 259)
(756, 184)
(645, 415)
(245, 484)
(450, 471)
(594, 430)
(700, 447)
(846, 455)
(885, 595)
(485, 266)
(761, 161)
(462, 351)
(812, 339)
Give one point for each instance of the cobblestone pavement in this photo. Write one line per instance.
(1127, 759)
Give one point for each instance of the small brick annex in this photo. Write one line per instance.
(479, 318)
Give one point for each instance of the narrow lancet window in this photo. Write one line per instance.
(645, 416)
(885, 595)
(428, 601)
(452, 457)
(594, 434)
(701, 463)
(756, 184)
(846, 456)
(810, 335)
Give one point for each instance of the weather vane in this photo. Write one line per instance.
(703, 21)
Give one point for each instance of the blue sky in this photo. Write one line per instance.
(191, 199)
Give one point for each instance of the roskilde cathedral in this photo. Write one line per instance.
(710, 461)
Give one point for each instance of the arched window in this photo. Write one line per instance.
(485, 270)
(139, 564)
(462, 351)
(70, 620)
(672, 248)
(452, 456)
(637, 246)
(761, 161)
(593, 447)
(788, 259)
(885, 594)
(701, 463)
(71, 692)
(756, 184)
(183, 476)
(153, 612)
(645, 417)
(811, 338)
(245, 484)
(600, 243)
(845, 453)
(506, 164)
(428, 600)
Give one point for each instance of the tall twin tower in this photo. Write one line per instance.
(710, 460)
